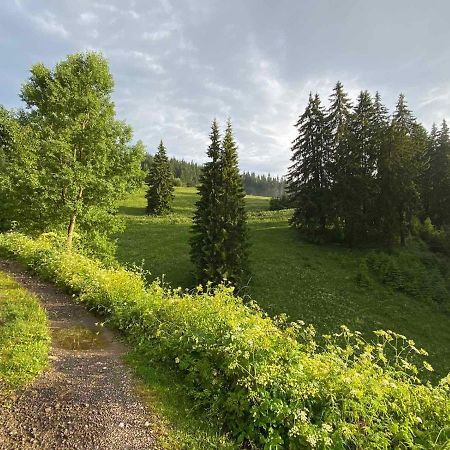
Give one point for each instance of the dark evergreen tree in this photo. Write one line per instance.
(359, 187)
(308, 183)
(236, 241)
(427, 181)
(219, 242)
(338, 160)
(207, 239)
(400, 167)
(439, 176)
(160, 184)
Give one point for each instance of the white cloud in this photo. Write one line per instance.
(49, 23)
(149, 61)
(439, 94)
(156, 35)
(88, 18)
(134, 14)
(105, 6)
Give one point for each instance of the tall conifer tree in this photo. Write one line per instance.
(400, 171)
(439, 176)
(359, 187)
(206, 221)
(234, 215)
(308, 183)
(219, 243)
(427, 179)
(160, 183)
(338, 122)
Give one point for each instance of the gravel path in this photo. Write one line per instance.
(87, 398)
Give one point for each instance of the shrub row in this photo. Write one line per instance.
(413, 273)
(269, 381)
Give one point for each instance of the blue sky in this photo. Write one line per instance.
(178, 64)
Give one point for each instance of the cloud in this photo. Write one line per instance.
(177, 65)
(134, 14)
(156, 35)
(88, 18)
(49, 23)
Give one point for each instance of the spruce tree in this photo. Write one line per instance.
(207, 239)
(359, 189)
(160, 183)
(427, 179)
(338, 123)
(308, 183)
(439, 176)
(235, 268)
(219, 243)
(401, 166)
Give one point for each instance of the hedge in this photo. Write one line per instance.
(269, 381)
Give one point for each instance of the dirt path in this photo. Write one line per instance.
(86, 399)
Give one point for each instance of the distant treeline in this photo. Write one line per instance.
(185, 173)
(264, 185)
(188, 174)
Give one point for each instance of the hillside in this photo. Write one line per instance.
(324, 285)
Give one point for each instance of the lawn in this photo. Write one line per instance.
(317, 284)
(24, 335)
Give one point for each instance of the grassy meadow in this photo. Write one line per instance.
(316, 284)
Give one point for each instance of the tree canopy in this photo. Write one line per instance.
(160, 183)
(77, 161)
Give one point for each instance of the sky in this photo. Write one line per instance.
(178, 64)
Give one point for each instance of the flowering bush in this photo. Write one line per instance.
(269, 381)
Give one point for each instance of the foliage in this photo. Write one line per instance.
(289, 275)
(219, 245)
(417, 274)
(179, 424)
(438, 239)
(160, 183)
(437, 176)
(360, 176)
(20, 178)
(308, 182)
(24, 335)
(264, 185)
(76, 162)
(188, 174)
(185, 173)
(277, 203)
(268, 380)
(401, 164)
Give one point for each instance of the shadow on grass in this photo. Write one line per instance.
(132, 211)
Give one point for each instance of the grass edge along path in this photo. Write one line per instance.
(24, 335)
(266, 379)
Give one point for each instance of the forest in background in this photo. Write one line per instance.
(187, 173)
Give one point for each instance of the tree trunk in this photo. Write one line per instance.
(70, 230)
(73, 218)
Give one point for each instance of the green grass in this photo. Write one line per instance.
(317, 284)
(176, 423)
(24, 335)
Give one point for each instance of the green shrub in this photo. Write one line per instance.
(414, 273)
(277, 203)
(266, 379)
